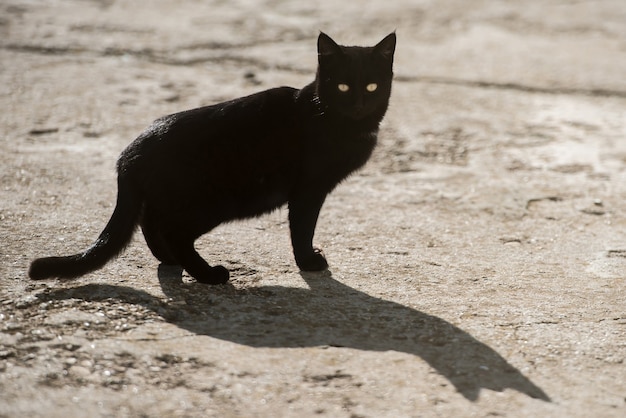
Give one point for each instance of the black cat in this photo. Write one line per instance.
(191, 171)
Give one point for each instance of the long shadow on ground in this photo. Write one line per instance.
(327, 314)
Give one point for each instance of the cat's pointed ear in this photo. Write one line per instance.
(387, 46)
(326, 46)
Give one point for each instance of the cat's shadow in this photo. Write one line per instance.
(328, 313)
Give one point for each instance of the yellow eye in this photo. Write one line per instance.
(343, 87)
(371, 87)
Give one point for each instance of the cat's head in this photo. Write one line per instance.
(352, 81)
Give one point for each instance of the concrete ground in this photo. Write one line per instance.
(478, 262)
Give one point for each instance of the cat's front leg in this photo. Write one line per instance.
(303, 213)
(312, 261)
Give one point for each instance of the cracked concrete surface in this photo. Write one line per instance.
(477, 262)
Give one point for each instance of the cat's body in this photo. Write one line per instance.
(191, 171)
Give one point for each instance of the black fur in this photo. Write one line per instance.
(191, 171)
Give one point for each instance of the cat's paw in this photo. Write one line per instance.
(214, 275)
(315, 261)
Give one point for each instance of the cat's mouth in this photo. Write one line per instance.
(355, 114)
(359, 114)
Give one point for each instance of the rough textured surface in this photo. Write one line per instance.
(478, 263)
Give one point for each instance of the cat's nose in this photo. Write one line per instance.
(358, 107)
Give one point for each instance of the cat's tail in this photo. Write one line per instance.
(112, 240)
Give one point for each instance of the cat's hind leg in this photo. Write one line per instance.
(182, 248)
(195, 265)
(155, 241)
